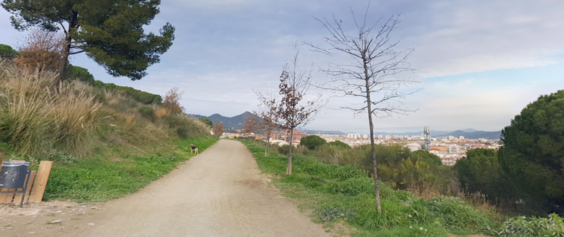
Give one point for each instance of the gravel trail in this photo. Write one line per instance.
(220, 192)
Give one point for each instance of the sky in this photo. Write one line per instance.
(477, 63)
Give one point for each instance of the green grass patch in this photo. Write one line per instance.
(346, 193)
(103, 177)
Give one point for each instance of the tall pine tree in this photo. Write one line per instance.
(108, 31)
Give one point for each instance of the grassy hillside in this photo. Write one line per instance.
(105, 144)
(345, 194)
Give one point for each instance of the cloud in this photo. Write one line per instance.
(466, 54)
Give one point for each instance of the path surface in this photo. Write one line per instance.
(220, 192)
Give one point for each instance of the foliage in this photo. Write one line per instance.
(138, 95)
(532, 154)
(478, 172)
(111, 32)
(284, 149)
(7, 52)
(172, 101)
(292, 111)
(533, 226)
(267, 118)
(312, 141)
(339, 144)
(101, 178)
(147, 112)
(250, 125)
(217, 130)
(75, 72)
(206, 121)
(346, 193)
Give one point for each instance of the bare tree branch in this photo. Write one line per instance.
(372, 73)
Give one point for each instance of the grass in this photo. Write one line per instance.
(344, 193)
(101, 177)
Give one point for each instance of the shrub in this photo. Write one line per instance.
(284, 150)
(312, 141)
(339, 144)
(172, 101)
(206, 121)
(147, 112)
(75, 72)
(533, 226)
(7, 52)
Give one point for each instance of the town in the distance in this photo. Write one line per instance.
(449, 146)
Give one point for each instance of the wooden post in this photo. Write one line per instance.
(41, 181)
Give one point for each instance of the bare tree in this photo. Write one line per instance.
(172, 100)
(41, 51)
(267, 119)
(292, 111)
(371, 72)
(217, 129)
(249, 125)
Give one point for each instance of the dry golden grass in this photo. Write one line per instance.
(36, 120)
(162, 113)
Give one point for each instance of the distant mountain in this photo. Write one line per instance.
(476, 134)
(230, 124)
(321, 132)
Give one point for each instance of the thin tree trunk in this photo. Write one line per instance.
(375, 163)
(289, 167)
(267, 145)
(73, 25)
(64, 63)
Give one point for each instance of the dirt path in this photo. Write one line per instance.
(218, 193)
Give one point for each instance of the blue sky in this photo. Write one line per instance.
(478, 62)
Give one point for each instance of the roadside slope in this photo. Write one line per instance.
(218, 193)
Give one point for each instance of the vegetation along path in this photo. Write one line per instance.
(218, 193)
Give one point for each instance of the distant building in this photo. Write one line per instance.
(388, 137)
(413, 146)
(380, 137)
(461, 138)
(365, 136)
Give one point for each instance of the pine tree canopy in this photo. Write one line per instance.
(109, 31)
(533, 152)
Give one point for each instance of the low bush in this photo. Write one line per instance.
(284, 149)
(532, 226)
(147, 112)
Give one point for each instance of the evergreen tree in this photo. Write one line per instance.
(110, 32)
(312, 141)
(533, 153)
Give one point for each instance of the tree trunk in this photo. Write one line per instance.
(267, 144)
(73, 25)
(375, 163)
(64, 63)
(289, 167)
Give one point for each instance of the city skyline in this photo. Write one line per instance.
(479, 64)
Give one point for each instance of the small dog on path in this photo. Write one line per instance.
(193, 149)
